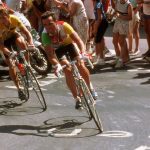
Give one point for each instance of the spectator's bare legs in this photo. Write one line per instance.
(121, 48)
(124, 49)
(130, 41)
(136, 36)
(116, 44)
(100, 48)
(147, 31)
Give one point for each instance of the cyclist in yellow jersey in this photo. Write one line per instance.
(59, 40)
(8, 36)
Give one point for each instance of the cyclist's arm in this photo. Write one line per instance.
(51, 55)
(75, 37)
(25, 31)
(46, 41)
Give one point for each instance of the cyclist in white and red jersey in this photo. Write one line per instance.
(58, 39)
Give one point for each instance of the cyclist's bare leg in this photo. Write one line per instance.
(12, 73)
(5, 50)
(69, 78)
(21, 44)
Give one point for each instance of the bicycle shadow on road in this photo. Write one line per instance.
(10, 106)
(66, 127)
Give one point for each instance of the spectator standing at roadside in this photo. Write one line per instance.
(89, 8)
(123, 10)
(146, 16)
(77, 12)
(34, 9)
(134, 25)
(100, 26)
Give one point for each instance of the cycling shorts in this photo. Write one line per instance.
(68, 50)
(11, 41)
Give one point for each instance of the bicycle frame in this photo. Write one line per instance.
(84, 91)
(30, 79)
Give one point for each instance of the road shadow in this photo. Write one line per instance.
(11, 106)
(61, 127)
(136, 62)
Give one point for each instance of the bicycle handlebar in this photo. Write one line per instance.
(72, 63)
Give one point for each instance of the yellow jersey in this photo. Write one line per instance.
(7, 32)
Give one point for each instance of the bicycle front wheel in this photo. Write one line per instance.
(89, 103)
(23, 85)
(35, 89)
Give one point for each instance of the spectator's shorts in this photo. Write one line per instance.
(121, 27)
(101, 30)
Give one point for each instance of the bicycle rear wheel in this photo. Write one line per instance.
(34, 86)
(23, 84)
(89, 103)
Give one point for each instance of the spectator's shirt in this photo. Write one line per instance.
(134, 3)
(64, 32)
(7, 32)
(99, 5)
(122, 8)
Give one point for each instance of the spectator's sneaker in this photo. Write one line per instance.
(106, 51)
(99, 62)
(119, 64)
(114, 62)
(78, 104)
(21, 95)
(94, 94)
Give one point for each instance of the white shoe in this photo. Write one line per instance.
(99, 62)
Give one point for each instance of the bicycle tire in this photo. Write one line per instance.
(89, 102)
(35, 86)
(23, 84)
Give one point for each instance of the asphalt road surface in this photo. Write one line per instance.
(123, 106)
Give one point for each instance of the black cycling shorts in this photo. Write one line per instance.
(11, 41)
(101, 31)
(68, 50)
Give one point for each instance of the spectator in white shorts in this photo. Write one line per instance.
(120, 31)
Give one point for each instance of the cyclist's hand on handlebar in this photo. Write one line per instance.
(85, 56)
(13, 54)
(31, 47)
(58, 70)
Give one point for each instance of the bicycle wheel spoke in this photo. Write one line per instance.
(35, 90)
(23, 85)
(90, 105)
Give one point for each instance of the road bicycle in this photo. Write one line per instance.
(27, 79)
(84, 93)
